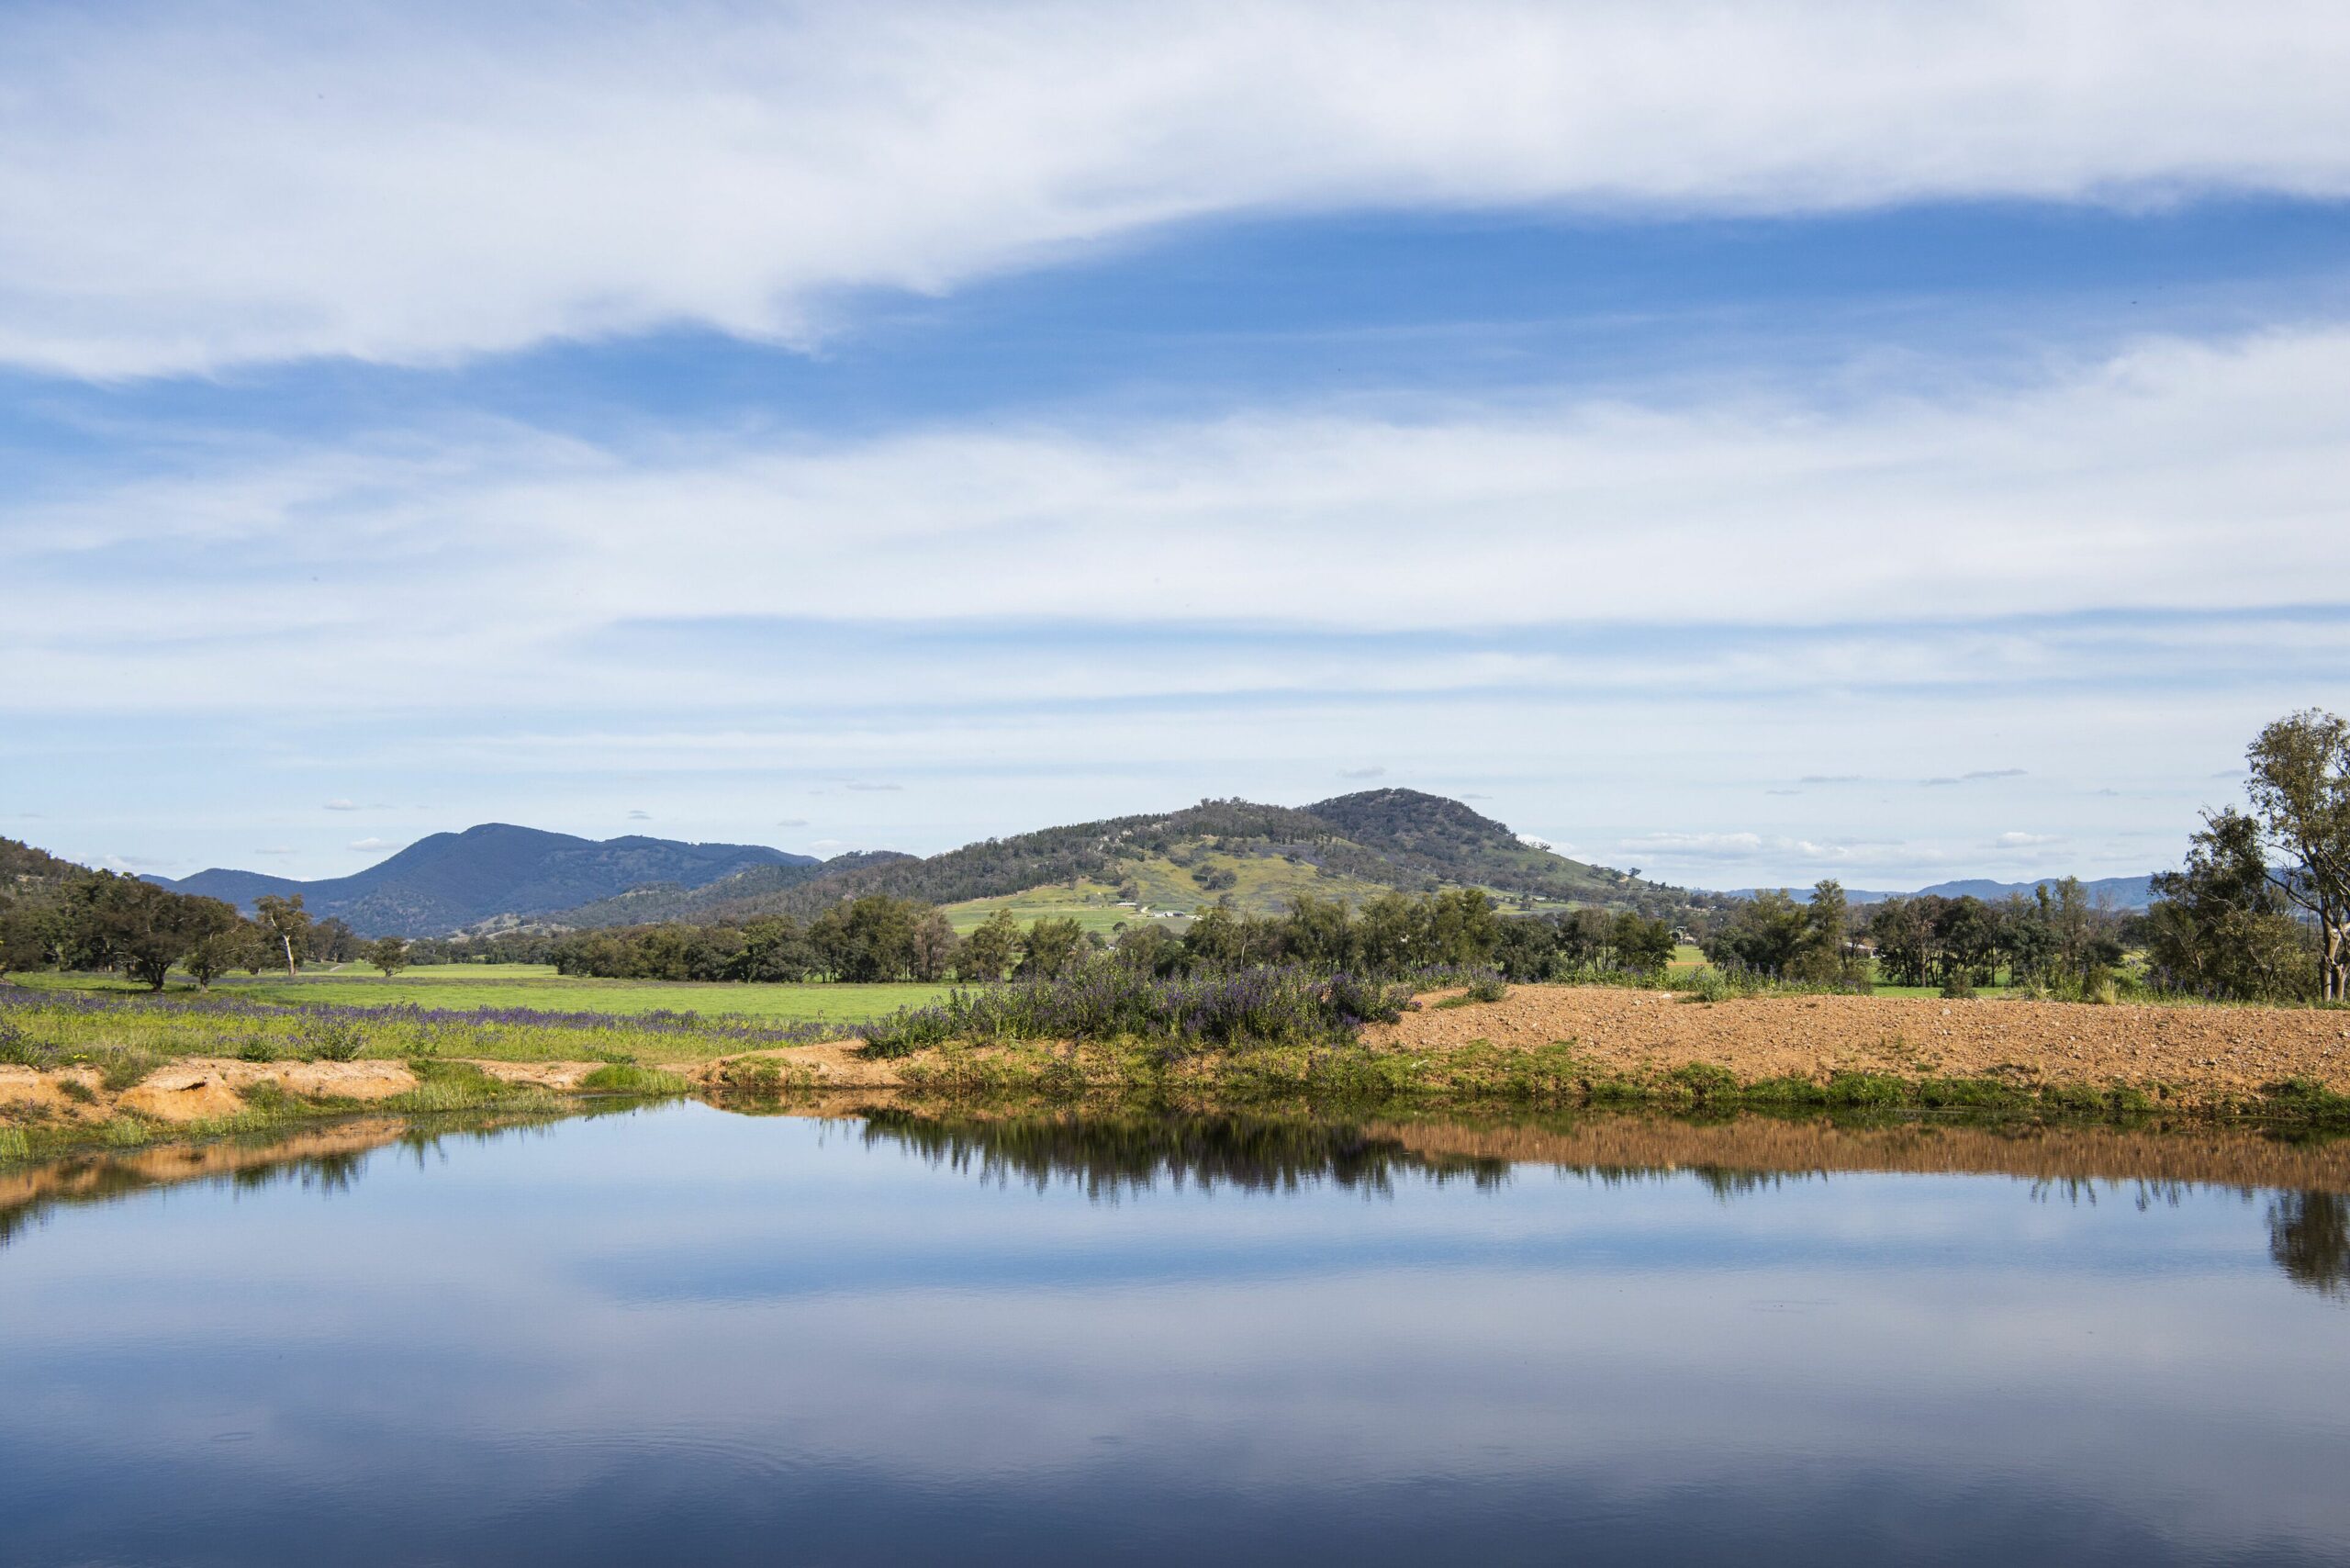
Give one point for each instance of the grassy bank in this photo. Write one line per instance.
(54, 1022)
(101, 1120)
(80, 1068)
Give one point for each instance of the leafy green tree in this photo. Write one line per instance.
(1527, 950)
(869, 938)
(140, 928)
(1968, 937)
(287, 925)
(1586, 940)
(1765, 935)
(1461, 927)
(333, 942)
(1149, 949)
(232, 947)
(1903, 930)
(989, 949)
(28, 935)
(1318, 933)
(774, 950)
(1391, 935)
(2300, 789)
(933, 947)
(1052, 948)
(2221, 926)
(388, 954)
(1642, 945)
(1819, 958)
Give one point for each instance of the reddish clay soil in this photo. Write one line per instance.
(2206, 1051)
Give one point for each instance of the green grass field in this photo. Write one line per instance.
(530, 985)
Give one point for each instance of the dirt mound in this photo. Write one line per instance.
(563, 1075)
(834, 1064)
(2213, 1050)
(200, 1088)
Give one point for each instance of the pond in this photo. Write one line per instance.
(676, 1334)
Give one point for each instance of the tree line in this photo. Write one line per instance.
(2259, 911)
(882, 938)
(81, 919)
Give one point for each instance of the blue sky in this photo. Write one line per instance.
(1832, 440)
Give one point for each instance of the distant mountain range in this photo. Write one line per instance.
(451, 881)
(1350, 846)
(2119, 892)
(1262, 856)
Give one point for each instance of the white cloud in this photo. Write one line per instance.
(792, 821)
(639, 816)
(1362, 773)
(2175, 476)
(1736, 848)
(371, 846)
(278, 851)
(2026, 840)
(200, 186)
(340, 805)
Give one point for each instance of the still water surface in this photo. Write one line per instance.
(679, 1335)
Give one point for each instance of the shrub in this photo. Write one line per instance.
(1705, 1080)
(1711, 982)
(1487, 988)
(1107, 1001)
(333, 1039)
(123, 1068)
(21, 1050)
(1958, 985)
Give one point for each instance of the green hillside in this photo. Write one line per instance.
(1259, 855)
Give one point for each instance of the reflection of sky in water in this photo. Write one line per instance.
(692, 1337)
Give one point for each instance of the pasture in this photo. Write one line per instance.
(539, 987)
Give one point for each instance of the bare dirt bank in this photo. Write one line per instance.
(206, 1088)
(2205, 1051)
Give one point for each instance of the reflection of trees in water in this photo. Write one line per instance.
(1111, 1155)
(2085, 1190)
(2308, 1235)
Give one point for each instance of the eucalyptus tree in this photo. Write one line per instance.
(287, 925)
(2300, 789)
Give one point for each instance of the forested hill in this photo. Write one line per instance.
(1397, 838)
(455, 880)
(671, 901)
(21, 864)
